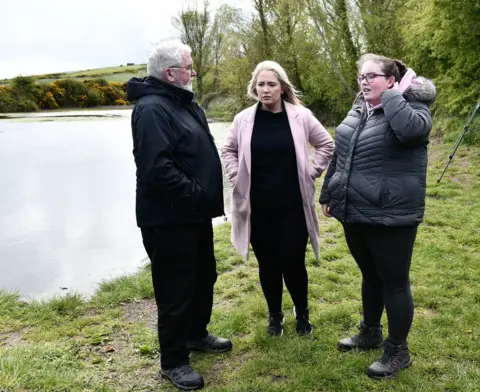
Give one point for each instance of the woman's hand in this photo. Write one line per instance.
(326, 210)
(406, 82)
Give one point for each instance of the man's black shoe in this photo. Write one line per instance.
(210, 344)
(394, 358)
(275, 324)
(183, 377)
(368, 338)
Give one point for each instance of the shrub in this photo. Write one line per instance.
(48, 101)
(74, 92)
(26, 86)
(93, 98)
(7, 102)
(24, 104)
(96, 81)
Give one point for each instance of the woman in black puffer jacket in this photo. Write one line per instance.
(375, 186)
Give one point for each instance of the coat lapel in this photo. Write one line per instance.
(247, 136)
(298, 134)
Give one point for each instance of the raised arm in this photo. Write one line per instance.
(410, 121)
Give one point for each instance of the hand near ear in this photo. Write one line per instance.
(406, 81)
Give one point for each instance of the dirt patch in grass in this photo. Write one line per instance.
(13, 338)
(144, 309)
(10, 339)
(225, 365)
(426, 312)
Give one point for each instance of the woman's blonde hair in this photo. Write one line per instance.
(290, 93)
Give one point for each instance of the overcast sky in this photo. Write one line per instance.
(62, 35)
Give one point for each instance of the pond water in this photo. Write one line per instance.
(67, 219)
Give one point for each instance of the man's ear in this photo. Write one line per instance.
(167, 75)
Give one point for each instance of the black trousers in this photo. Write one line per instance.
(183, 275)
(384, 255)
(279, 240)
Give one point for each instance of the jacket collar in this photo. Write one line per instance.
(177, 93)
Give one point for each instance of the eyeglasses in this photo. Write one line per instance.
(188, 69)
(369, 77)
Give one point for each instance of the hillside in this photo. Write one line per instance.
(111, 74)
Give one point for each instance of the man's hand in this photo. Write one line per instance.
(326, 210)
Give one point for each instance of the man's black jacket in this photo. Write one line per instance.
(179, 172)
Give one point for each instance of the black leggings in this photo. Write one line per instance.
(279, 240)
(384, 256)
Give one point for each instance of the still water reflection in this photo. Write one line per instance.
(67, 201)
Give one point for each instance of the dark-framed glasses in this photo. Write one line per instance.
(369, 77)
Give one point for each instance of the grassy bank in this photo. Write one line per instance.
(109, 342)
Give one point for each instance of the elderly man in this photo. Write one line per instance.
(179, 191)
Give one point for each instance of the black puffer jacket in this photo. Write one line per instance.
(378, 171)
(179, 172)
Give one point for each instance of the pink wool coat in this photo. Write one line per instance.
(236, 154)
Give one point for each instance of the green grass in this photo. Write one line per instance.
(65, 344)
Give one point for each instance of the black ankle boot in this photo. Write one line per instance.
(303, 322)
(275, 324)
(368, 338)
(394, 358)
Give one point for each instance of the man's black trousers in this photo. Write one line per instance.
(183, 274)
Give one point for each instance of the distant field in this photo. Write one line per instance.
(111, 74)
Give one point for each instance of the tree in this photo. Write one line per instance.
(224, 23)
(324, 22)
(443, 43)
(194, 26)
(260, 8)
(381, 27)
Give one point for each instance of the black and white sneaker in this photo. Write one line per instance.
(275, 324)
(304, 327)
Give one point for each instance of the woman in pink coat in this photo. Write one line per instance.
(266, 159)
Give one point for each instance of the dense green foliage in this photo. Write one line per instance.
(319, 41)
(26, 94)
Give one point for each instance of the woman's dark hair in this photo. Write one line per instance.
(390, 67)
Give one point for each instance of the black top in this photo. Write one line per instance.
(274, 164)
(179, 172)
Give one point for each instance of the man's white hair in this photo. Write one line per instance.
(167, 53)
